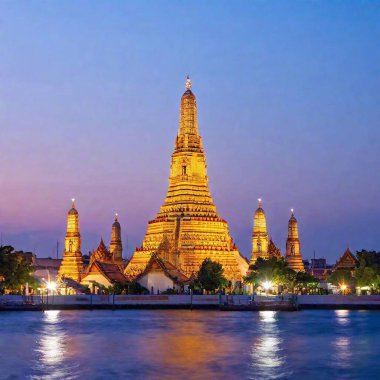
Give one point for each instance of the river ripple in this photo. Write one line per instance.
(181, 344)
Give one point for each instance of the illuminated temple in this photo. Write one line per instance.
(188, 229)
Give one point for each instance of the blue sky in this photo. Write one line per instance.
(288, 105)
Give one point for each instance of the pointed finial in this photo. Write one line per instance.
(260, 202)
(116, 216)
(292, 211)
(188, 83)
(73, 202)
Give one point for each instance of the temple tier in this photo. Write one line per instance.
(188, 228)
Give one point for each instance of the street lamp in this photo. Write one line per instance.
(267, 285)
(52, 286)
(343, 288)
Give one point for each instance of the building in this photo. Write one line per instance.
(72, 261)
(262, 245)
(116, 247)
(346, 261)
(104, 269)
(188, 228)
(319, 269)
(260, 241)
(160, 275)
(293, 249)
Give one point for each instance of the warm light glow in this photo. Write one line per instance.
(73, 200)
(259, 199)
(343, 287)
(267, 285)
(51, 285)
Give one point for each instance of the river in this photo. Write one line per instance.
(184, 344)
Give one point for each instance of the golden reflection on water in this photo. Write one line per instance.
(190, 347)
(342, 344)
(52, 346)
(342, 317)
(267, 351)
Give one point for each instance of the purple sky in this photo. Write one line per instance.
(288, 105)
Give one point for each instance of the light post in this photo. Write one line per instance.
(343, 288)
(266, 285)
(52, 286)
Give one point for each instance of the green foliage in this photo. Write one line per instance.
(210, 276)
(342, 276)
(368, 271)
(276, 271)
(15, 270)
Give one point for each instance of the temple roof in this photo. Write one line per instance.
(346, 261)
(169, 269)
(101, 253)
(273, 250)
(110, 271)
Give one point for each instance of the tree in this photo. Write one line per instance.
(15, 270)
(278, 273)
(272, 269)
(367, 274)
(210, 276)
(342, 277)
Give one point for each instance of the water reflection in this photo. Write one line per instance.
(268, 352)
(52, 348)
(342, 317)
(197, 347)
(342, 344)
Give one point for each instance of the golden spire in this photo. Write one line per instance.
(293, 248)
(116, 247)
(72, 262)
(259, 235)
(188, 83)
(187, 220)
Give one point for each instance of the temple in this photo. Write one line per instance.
(116, 247)
(72, 261)
(293, 251)
(188, 229)
(260, 242)
(103, 270)
(346, 261)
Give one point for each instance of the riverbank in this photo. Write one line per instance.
(205, 302)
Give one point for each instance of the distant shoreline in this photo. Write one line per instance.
(186, 302)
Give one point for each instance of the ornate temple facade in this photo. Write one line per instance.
(104, 269)
(293, 250)
(72, 261)
(116, 247)
(346, 261)
(188, 229)
(103, 262)
(260, 241)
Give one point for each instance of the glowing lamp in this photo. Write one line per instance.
(51, 285)
(267, 285)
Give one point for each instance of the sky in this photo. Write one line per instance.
(288, 108)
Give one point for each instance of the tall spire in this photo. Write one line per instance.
(72, 262)
(116, 247)
(188, 83)
(293, 250)
(188, 138)
(259, 234)
(187, 229)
